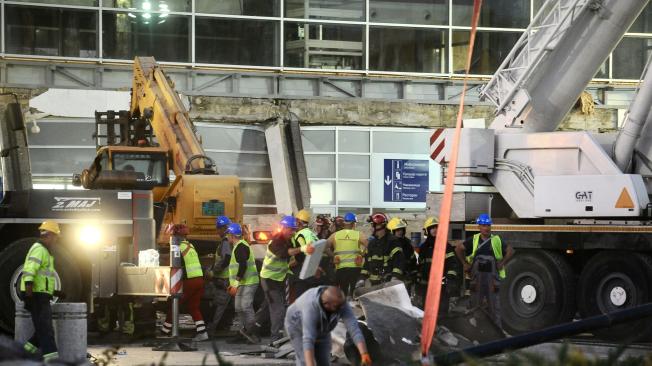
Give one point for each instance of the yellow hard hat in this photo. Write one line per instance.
(430, 221)
(50, 226)
(396, 223)
(303, 215)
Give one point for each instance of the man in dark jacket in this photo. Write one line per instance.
(384, 258)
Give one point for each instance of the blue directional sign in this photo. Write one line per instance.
(405, 180)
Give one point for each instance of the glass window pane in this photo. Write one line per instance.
(150, 5)
(127, 35)
(322, 193)
(324, 46)
(353, 193)
(325, 9)
(236, 41)
(401, 142)
(238, 7)
(432, 12)
(221, 138)
(62, 133)
(353, 141)
(494, 13)
(258, 193)
(408, 50)
(354, 167)
(51, 31)
(320, 166)
(60, 161)
(489, 51)
(630, 56)
(242, 165)
(643, 23)
(61, 2)
(318, 141)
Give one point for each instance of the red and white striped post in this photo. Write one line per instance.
(176, 282)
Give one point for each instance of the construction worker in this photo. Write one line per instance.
(452, 271)
(347, 245)
(193, 282)
(273, 275)
(485, 256)
(37, 286)
(219, 274)
(310, 320)
(384, 258)
(398, 227)
(303, 239)
(243, 281)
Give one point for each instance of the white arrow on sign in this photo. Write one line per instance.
(388, 181)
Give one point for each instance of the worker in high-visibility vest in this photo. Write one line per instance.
(302, 239)
(485, 255)
(218, 275)
(243, 281)
(348, 247)
(38, 286)
(193, 282)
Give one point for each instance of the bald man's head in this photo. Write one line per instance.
(332, 299)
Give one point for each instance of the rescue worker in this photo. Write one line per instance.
(338, 223)
(452, 272)
(348, 245)
(243, 281)
(37, 286)
(323, 227)
(398, 227)
(193, 282)
(384, 258)
(219, 274)
(302, 239)
(485, 255)
(273, 275)
(310, 321)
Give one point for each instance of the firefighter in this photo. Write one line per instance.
(452, 272)
(338, 223)
(218, 275)
(384, 258)
(485, 256)
(243, 281)
(347, 245)
(323, 227)
(37, 286)
(302, 239)
(398, 228)
(193, 282)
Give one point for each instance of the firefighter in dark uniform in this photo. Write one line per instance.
(384, 258)
(398, 228)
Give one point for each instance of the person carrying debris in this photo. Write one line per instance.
(452, 271)
(219, 274)
(485, 256)
(37, 286)
(347, 245)
(193, 282)
(243, 281)
(302, 239)
(384, 258)
(398, 227)
(310, 320)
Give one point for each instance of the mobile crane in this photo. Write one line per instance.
(576, 207)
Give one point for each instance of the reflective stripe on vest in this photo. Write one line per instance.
(251, 273)
(496, 245)
(274, 268)
(347, 248)
(190, 260)
(39, 269)
(307, 235)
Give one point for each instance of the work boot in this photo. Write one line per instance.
(200, 337)
(250, 336)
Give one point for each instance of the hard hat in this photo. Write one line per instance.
(234, 229)
(288, 222)
(50, 226)
(303, 215)
(177, 229)
(430, 221)
(378, 218)
(349, 218)
(484, 219)
(222, 221)
(396, 223)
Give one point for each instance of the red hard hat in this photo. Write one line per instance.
(379, 218)
(322, 221)
(178, 229)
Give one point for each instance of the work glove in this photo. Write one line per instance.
(232, 290)
(309, 249)
(365, 359)
(60, 294)
(359, 260)
(336, 260)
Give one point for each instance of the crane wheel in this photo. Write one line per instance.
(539, 291)
(613, 281)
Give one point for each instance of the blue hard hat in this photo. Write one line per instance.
(234, 229)
(484, 219)
(288, 222)
(350, 217)
(222, 221)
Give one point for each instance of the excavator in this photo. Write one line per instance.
(138, 148)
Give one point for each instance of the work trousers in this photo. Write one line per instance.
(41, 311)
(487, 290)
(220, 299)
(193, 289)
(322, 348)
(276, 305)
(346, 279)
(244, 306)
